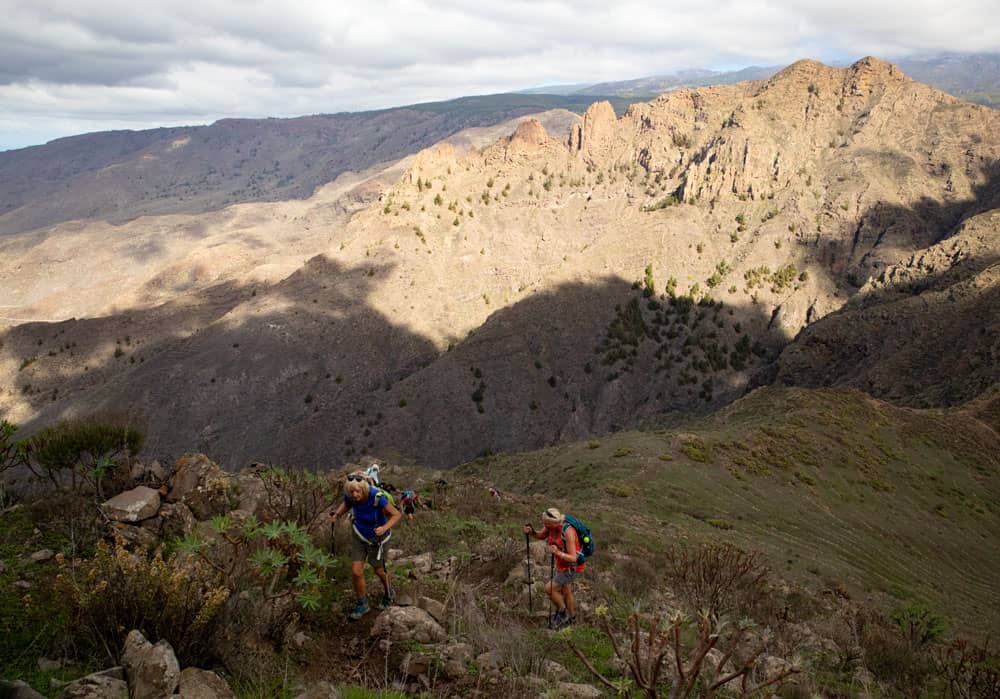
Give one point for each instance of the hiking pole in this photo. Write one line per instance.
(527, 565)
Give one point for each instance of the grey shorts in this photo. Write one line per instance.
(363, 551)
(565, 577)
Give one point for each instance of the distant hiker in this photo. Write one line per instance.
(372, 473)
(495, 493)
(564, 546)
(409, 502)
(374, 516)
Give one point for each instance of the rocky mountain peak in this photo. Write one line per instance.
(596, 134)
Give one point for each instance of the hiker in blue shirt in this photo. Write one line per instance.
(373, 518)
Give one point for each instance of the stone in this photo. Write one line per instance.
(773, 665)
(43, 555)
(454, 669)
(201, 485)
(403, 599)
(434, 608)
(571, 690)
(23, 585)
(554, 670)
(49, 665)
(421, 564)
(18, 690)
(152, 670)
(133, 505)
(319, 690)
(137, 535)
(253, 494)
(489, 662)
(153, 524)
(96, 686)
(178, 520)
(416, 664)
(202, 684)
(406, 624)
(300, 640)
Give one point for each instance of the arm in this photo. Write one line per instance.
(338, 512)
(572, 547)
(530, 531)
(394, 516)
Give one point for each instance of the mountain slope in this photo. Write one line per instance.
(535, 291)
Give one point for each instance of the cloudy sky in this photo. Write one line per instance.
(72, 66)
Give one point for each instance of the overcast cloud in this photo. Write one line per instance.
(92, 65)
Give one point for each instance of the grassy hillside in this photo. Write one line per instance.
(835, 488)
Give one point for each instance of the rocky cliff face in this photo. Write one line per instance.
(543, 289)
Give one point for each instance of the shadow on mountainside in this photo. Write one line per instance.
(924, 331)
(306, 372)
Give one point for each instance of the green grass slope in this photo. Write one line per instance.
(835, 488)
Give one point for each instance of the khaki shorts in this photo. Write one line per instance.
(363, 551)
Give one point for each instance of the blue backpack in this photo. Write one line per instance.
(583, 534)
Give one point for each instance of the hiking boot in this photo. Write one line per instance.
(387, 599)
(558, 619)
(360, 609)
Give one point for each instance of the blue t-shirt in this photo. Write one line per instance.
(369, 514)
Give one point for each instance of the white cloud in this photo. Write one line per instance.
(69, 67)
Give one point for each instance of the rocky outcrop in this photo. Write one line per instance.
(200, 484)
(408, 624)
(202, 684)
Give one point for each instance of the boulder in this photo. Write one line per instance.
(319, 690)
(100, 685)
(152, 670)
(137, 535)
(43, 556)
(408, 624)
(202, 684)
(772, 665)
(178, 520)
(253, 494)
(421, 564)
(434, 608)
(133, 505)
(201, 485)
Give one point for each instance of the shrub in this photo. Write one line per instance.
(117, 591)
(87, 448)
(717, 577)
(297, 495)
(672, 654)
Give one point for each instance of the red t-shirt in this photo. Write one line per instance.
(564, 545)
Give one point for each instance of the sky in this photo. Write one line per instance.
(69, 67)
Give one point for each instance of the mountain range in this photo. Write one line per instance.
(310, 290)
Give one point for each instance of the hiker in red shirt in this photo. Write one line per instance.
(565, 547)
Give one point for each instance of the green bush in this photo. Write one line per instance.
(86, 448)
(116, 591)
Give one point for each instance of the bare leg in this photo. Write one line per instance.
(383, 575)
(567, 591)
(358, 578)
(555, 595)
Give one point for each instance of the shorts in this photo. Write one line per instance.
(565, 577)
(363, 551)
(408, 509)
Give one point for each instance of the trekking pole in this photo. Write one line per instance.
(527, 565)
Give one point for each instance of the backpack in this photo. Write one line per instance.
(584, 535)
(388, 495)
